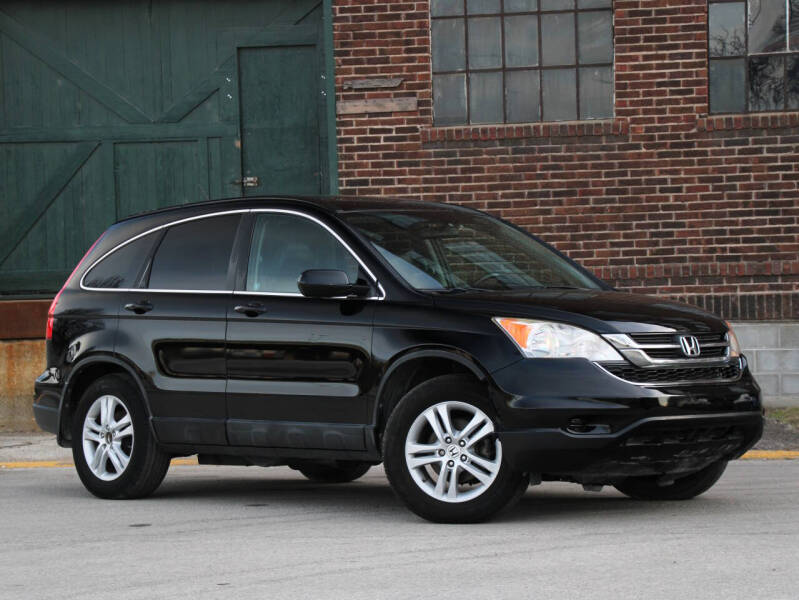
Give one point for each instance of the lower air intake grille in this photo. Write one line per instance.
(672, 375)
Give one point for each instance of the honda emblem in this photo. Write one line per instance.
(689, 345)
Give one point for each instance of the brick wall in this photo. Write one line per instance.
(661, 199)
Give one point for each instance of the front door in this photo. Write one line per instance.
(297, 367)
(281, 119)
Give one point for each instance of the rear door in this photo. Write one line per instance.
(297, 366)
(173, 328)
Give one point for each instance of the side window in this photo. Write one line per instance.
(121, 268)
(283, 246)
(195, 255)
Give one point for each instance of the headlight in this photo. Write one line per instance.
(547, 339)
(735, 346)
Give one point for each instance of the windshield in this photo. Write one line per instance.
(454, 249)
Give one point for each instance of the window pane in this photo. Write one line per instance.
(449, 99)
(728, 85)
(521, 41)
(557, 4)
(195, 255)
(284, 246)
(593, 3)
(485, 97)
(595, 37)
(522, 96)
(446, 8)
(482, 7)
(794, 33)
(766, 26)
(727, 29)
(449, 50)
(520, 6)
(792, 91)
(766, 83)
(120, 269)
(557, 39)
(596, 92)
(559, 88)
(485, 46)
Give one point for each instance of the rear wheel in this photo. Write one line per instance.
(442, 456)
(684, 488)
(112, 445)
(335, 471)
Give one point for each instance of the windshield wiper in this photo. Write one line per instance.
(453, 290)
(553, 287)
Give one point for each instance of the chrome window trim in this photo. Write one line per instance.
(381, 296)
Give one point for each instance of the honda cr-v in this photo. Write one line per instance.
(331, 335)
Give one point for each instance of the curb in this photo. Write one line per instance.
(53, 464)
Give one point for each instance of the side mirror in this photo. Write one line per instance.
(329, 283)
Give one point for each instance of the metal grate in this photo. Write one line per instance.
(671, 375)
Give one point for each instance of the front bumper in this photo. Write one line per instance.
(652, 446)
(569, 418)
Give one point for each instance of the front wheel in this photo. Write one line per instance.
(442, 455)
(683, 488)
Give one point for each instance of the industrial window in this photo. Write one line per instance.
(754, 55)
(519, 61)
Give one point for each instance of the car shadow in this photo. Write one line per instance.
(372, 497)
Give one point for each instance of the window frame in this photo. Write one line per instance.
(785, 54)
(246, 248)
(239, 246)
(539, 68)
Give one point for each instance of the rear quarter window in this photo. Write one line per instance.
(121, 268)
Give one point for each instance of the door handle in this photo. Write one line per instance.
(251, 310)
(139, 307)
(247, 181)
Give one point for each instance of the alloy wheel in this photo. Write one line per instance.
(107, 437)
(452, 453)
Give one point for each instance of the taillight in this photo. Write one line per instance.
(48, 332)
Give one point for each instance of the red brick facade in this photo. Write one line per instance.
(661, 199)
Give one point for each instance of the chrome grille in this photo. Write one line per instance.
(664, 348)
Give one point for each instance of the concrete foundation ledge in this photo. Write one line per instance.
(21, 361)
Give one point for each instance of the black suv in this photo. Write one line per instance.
(332, 334)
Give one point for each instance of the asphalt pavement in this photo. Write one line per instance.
(248, 532)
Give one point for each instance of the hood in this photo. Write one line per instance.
(598, 310)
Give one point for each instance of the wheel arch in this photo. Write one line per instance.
(417, 366)
(81, 376)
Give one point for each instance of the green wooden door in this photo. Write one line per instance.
(281, 145)
(112, 108)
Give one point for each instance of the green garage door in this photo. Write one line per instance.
(112, 108)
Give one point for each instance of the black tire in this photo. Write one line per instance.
(506, 488)
(148, 464)
(684, 488)
(335, 471)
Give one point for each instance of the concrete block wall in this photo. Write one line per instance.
(773, 352)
